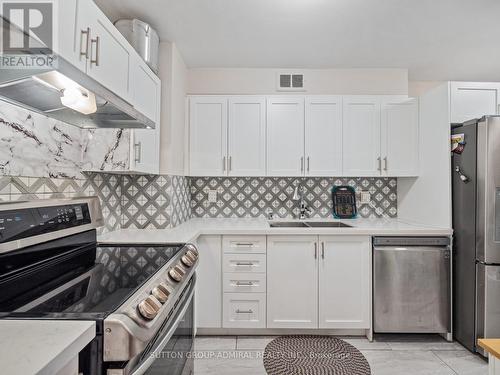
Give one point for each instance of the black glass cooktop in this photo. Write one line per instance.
(97, 281)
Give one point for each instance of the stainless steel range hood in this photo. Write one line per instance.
(44, 91)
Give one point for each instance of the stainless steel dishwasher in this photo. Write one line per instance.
(411, 285)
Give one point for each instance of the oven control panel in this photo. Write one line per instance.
(28, 222)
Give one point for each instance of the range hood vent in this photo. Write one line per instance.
(44, 91)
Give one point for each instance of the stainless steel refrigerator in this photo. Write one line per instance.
(476, 224)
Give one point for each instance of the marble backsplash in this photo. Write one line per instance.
(34, 145)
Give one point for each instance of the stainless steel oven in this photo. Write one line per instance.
(171, 350)
(139, 295)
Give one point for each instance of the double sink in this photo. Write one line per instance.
(308, 224)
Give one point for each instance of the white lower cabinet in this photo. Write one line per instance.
(247, 263)
(244, 310)
(209, 283)
(244, 282)
(318, 282)
(344, 282)
(292, 282)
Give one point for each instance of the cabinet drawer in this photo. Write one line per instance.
(247, 263)
(244, 244)
(244, 283)
(244, 310)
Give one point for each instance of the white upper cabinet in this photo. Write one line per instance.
(208, 136)
(145, 91)
(289, 136)
(470, 100)
(344, 282)
(285, 136)
(145, 151)
(292, 282)
(361, 136)
(400, 137)
(102, 49)
(247, 136)
(323, 136)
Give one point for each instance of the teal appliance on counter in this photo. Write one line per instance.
(344, 202)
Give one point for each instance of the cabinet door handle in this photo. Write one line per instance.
(385, 163)
(308, 164)
(87, 40)
(302, 164)
(230, 163)
(223, 164)
(244, 311)
(249, 264)
(138, 151)
(245, 244)
(322, 250)
(315, 250)
(97, 44)
(244, 283)
(379, 159)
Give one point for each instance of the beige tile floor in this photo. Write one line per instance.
(242, 355)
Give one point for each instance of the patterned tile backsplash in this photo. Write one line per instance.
(126, 201)
(254, 197)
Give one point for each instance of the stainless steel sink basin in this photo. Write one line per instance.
(308, 224)
(288, 224)
(327, 224)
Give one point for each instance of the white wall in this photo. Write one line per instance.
(317, 81)
(173, 74)
(418, 88)
(427, 199)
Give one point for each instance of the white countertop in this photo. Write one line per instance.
(191, 229)
(41, 347)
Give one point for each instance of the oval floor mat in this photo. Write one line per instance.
(311, 355)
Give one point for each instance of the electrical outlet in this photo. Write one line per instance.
(365, 197)
(212, 196)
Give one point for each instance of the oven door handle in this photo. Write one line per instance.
(153, 354)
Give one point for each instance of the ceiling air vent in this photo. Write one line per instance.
(290, 82)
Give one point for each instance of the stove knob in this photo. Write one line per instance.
(192, 255)
(176, 273)
(149, 308)
(192, 249)
(161, 293)
(187, 261)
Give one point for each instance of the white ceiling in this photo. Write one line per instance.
(434, 39)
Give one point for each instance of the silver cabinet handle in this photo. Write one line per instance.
(230, 163)
(322, 250)
(138, 151)
(315, 250)
(379, 159)
(97, 43)
(249, 264)
(244, 283)
(385, 163)
(246, 244)
(87, 40)
(244, 311)
(308, 165)
(302, 164)
(223, 164)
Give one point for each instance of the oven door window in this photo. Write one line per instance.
(176, 358)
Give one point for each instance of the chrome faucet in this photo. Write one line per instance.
(298, 195)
